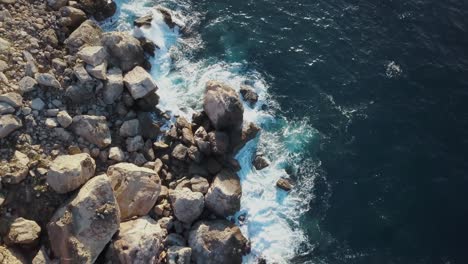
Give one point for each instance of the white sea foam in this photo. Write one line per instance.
(272, 215)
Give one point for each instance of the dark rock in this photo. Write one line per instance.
(249, 94)
(219, 142)
(260, 162)
(143, 21)
(284, 184)
(100, 9)
(149, 128)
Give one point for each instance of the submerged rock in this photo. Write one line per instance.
(249, 94)
(224, 194)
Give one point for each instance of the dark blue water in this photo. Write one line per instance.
(386, 85)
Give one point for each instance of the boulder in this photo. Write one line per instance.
(116, 154)
(217, 241)
(82, 75)
(47, 80)
(37, 104)
(93, 55)
(249, 94)
(224, 194)
(179, 255)
(179, 152)
(124, 50)
(134, 143)
(260, 163)
(80, 229)
(284, 184)
(98, 71)
(92, 128)
(139, 83)
(81, 93)
(187, 205)
(64, 119)
(114, 86)
(138, 241)
(100, 9)
(68, 172)
(72, 17)
(249, 132)
(136, 188)
(143, 21)
(170, 18)
(8, 124)
(13, 99)
(223, 106)
(9, 256)
(23, 232)
(87, 33)
(219, 142)
(27, 84)
(199, 184)
(130, 128)
(149, 128)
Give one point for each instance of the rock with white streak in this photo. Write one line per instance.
(69, 172)
(139, 83)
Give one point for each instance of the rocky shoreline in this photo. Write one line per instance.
(88, 174)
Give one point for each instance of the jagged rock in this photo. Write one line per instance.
(98, 71)
(130, 128)
(72, 17)
(194, 154)
(9, 256)
(219, 142)
(174, 239)
(57, 4)
(284, 184)
(69, 172)
(48, 80)
(64, 119)
(116, 154)
(249, 94)
(223, 197)
(23, 231)
(100, 9)
(114, 86)
(143, 21)
(249, 132)
(223, 106)
(136, 188)
(17, 169)
(80, 229)
(37, 104)
(27, 84)
(138, 241)
(92, 128)
(13, 99)
(8, 124)
(149, 128)
(134, 143)
(199, 184)
(187, 136)
(217, 241)
(159, 145)
(260, 162)
(179, 152)
(124, 50)
(81, 74)
(139, 83)
(179, 255)
(187, 205)
(93, 55)
(6, 108)
(87, 33)
(170, 18)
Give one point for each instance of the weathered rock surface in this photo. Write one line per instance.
(223, 197)
(8, 124)
(48, 80)
(6, 108)
(136, 188)
(179, 255)
(80, 229)
(72, 17)
(100, 9)
(114, 86)
(139, 83)
(68, 172)
(27, 84)
(8, 256)
(223, 106)
(217, 241)
(284, 184)
(87, 33)
(64, 119)
(138, 241)
(199, 184)
(92, 128)
(93, 55)
(187, 205)
(124, 50)
(23, 231)
(13, 99)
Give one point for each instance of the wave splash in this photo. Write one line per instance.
(271, 215)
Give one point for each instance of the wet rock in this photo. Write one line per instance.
(187, 205)
(179, 152)
(69, 172)
(82, 227)
(143, 21)
(8, 124)
(139, 83)
(223, 106)
(27, 84)
(249, 132)
(260, 163)
(64, 119)
(217, 241)
(92, 128)
(284, 184)
(224, 194)
(138, 241)
(179, 255)
(47, 80)
(136, 188)
(219, 142)
(130, 128)
(87, 33)
(23, 232)
(93, 55)
(13, 99)
(170, 18)
(148, 102)
(249, 94)
(124, 50)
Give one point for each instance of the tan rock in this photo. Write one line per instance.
(23, 231)
(69, 172)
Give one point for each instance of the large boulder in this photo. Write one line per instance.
(136, 188)
(125, 51)
(23, 232)
(92, 128)
(187, 205)
(179, 255)
(224, 194)
(8, 124)
(68, 172)
(87, 33)
(217, 241)
(80, 229)
(223, 106)
(93, 55)
(138, 241)
(100, 9)
(139, 83)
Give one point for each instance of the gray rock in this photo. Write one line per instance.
(134, 143)
(179, 255)
(93, 55)
(219, 142)
(130, 128)
(284, 184)
(6, 108)
(199, 184)
(114, 86)
(83, 226)
(27, 84)
(179, 152)
(37, 104)
(64, 119)
(48, 80)
(187, 205)
(98, 71)
(138, 241)
(260, 163)
(69, 172)
(139, 83)
(23, 232)
(124, 50)
(224, 194)
(136, 188)
(8, 124)
(87, 33)
(92, 128)
(30, 67)
(148, 127)
(81, 74)
(4, 44)
(13, 99)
